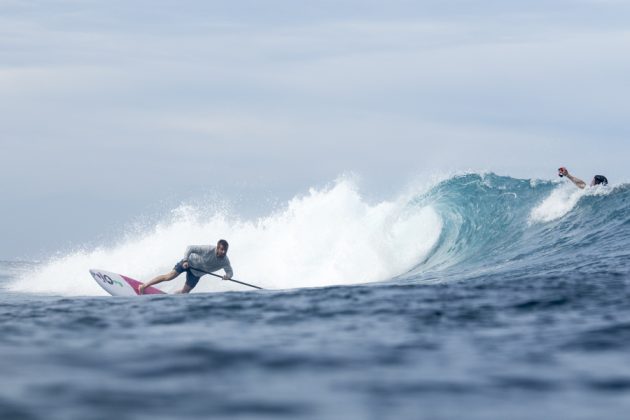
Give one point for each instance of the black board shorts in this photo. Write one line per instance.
(191, 279)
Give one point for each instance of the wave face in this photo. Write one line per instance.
(463, 227)
(514, 228)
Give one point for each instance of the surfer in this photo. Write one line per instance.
(206, 258)
(597, 179)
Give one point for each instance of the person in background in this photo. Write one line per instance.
(597, 179)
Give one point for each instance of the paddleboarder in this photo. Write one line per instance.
(206, 258)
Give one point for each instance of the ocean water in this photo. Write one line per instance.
(476, 297)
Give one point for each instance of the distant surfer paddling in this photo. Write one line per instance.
(597, 179)
(206, 258)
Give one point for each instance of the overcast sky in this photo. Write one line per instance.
(114, 109)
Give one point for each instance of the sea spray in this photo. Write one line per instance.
(329, 236)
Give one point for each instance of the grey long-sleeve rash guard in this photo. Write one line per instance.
(205, 258)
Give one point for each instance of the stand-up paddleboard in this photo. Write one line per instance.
(119, 285)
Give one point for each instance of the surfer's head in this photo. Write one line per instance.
(599, 179)
(222, 247)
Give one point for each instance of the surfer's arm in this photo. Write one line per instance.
(577, 181)
(228, 270)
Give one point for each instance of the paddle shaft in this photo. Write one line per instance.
(221, 277)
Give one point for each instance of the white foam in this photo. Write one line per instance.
(561, 201)
(329, 236)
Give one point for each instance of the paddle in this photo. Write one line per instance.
(221, 277)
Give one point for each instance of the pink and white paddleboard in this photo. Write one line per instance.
(119, 285)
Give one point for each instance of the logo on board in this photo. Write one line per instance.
(104, 278)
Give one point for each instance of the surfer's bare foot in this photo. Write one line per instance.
(141, 289)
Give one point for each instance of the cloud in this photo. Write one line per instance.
(282, 95)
